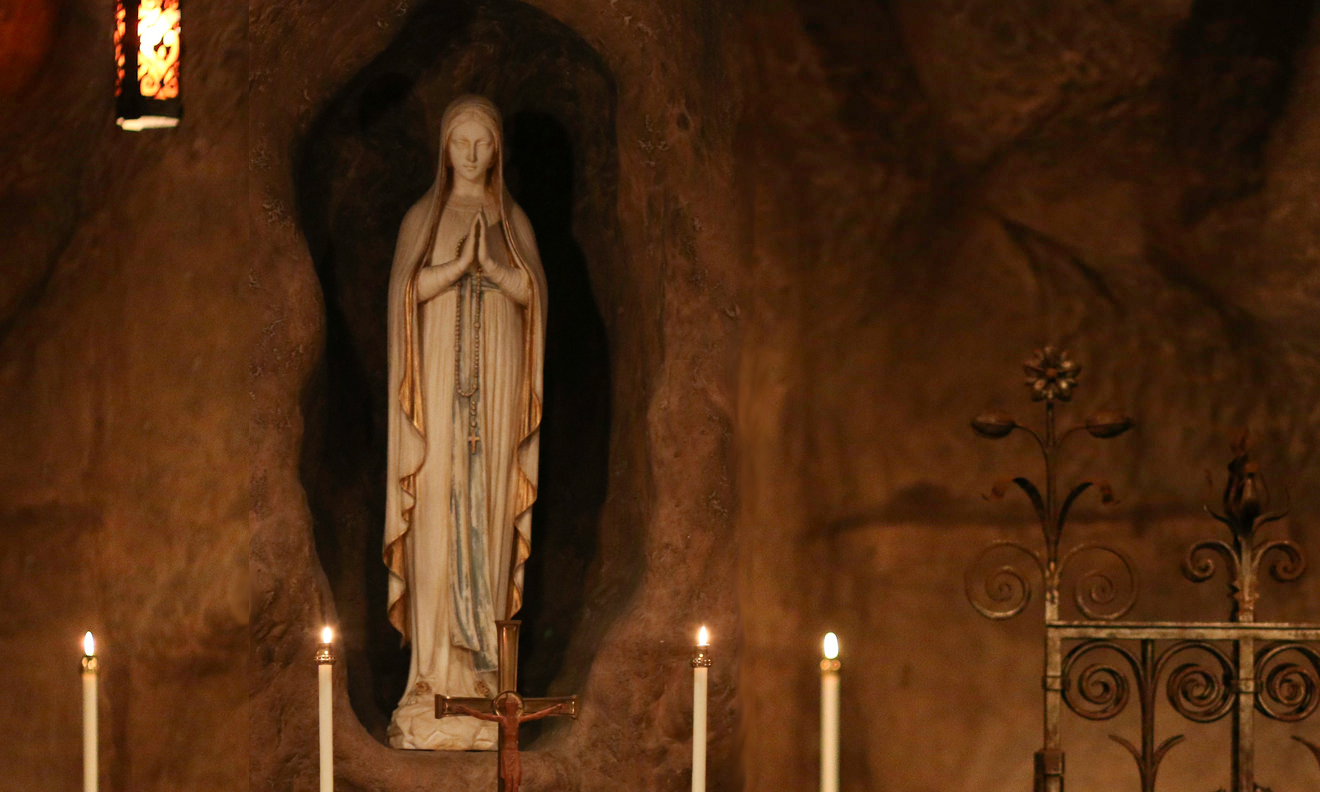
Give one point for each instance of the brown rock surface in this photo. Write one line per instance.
(792, 249)
(123, 336)
(27, 31)
(941, 187)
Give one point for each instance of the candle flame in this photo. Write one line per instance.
(831, 646)
(703, 637)
(327, 635)
(89, 644)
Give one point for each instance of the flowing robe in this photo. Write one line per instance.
(458, 522)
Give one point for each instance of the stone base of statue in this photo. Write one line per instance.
(415, 727)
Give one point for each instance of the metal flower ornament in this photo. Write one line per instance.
(1051, 378)
(1051, 375)
(1246, 508)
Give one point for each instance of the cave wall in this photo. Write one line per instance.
(123, 342)
(815, 242)
(940, 188)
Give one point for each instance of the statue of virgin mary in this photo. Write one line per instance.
(467, 306)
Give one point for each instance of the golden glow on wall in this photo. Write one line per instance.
(147, 58)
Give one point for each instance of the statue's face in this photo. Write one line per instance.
(471, 148)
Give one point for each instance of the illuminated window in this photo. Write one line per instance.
(147, 36)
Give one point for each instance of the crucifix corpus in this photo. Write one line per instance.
(507, 708)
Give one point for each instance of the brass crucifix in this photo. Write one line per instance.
(508, 709)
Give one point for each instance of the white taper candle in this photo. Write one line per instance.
(325, 659)
(829, 716)
(700, 672)
(90, 668)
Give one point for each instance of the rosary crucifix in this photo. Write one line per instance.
(508, 709)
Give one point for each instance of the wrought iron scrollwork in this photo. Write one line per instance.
(1288, 681)
(1245, 509)
(998, 587)
(1199, 565)
(1098, 665)
(1198, 691)
(1313, 747)
(1198, 684)
(1099, 594)
(1100, 690)
(1286, 569)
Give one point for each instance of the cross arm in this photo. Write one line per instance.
(538, 705)
(449, 705)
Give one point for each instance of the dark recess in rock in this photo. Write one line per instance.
(1232, 70)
